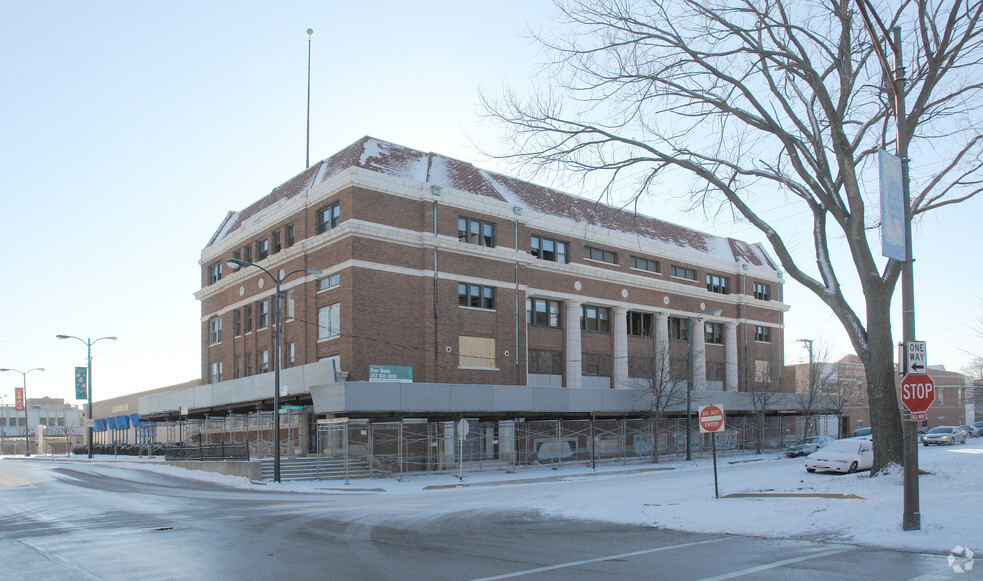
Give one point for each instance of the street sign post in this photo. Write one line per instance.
(712, 421)
(463, 427)
(917, 393)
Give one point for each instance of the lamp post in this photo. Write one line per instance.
(3, 426)
(278, 278)
(689, 378)
(88, 375)
(27, 427)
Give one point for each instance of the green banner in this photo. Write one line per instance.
(80, 383)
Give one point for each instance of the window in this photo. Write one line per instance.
(249, 364)
(476, 352)
(247, 253)
(645, 264)
(596, 365)
(263, 361)
(238, 366)
(329, 321)
(678, 329)
(262, 248)
(718, 284)
(247, 316)
(595, 319)
(215, 331)
(716, 370)
(543, 312)
(291, 355)
(237, 323)
(237, 254)
(216, 375)
(291, 235)
(762, 291)
(476, 296)
(762, 334)
(715, 333)
(545, 362)
(474, 231)
(681, 272)
(591, 253)
(214, 273)
(263, 314)
(549, 249)
(330, 281)
(639, 324)
(328, 218)
(277, 246)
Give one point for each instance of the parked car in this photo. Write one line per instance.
(971, 431)
(944, 435)
(979, 425)
(846, 455)
(861, 433)
(807, 446)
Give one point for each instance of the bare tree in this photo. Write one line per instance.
(764, 391)
(662, 387)
(766, 104)
(818, 390)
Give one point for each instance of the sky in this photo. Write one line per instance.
(129, 130)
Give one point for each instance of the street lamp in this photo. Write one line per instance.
(689, 379)
(88, 375)
(27, 427)
(278, 278)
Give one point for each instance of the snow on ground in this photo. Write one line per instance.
(680, 496)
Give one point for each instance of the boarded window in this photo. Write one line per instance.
(476, 352)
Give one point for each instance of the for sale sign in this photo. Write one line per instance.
(711, 419)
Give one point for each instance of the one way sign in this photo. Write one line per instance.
(916, 361)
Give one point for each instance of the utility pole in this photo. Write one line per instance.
(911, 520)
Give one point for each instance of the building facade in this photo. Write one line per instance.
(446, 290)
(48, 425)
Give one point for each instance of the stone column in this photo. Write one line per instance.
(661, 352)
(620, 329)
(730, 348)
(573, 350)
(698, 354)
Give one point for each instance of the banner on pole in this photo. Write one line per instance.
(81, 383)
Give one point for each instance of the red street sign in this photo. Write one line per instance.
(18, 399)
(918, 416)
(711, 419)
(917, 392)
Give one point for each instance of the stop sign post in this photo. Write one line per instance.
(712, 421)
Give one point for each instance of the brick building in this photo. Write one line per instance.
(449, 291)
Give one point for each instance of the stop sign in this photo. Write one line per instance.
(711, 418)
(917, 392)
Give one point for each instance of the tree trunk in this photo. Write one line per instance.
(882, 397)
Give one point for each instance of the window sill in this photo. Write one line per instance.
(483, 309)
(480, 368)
(329, 338)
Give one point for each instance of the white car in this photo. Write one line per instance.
(948, 435)
(847, 455)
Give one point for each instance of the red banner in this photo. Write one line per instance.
(19, 399)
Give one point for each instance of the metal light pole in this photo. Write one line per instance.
(27, 426)
(689, 377)
(278, 278)
(911, 518)
(88, 375)
(3, 427)
(307, 162)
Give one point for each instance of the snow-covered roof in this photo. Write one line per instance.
(374, 155)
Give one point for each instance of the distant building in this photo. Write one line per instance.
(846, 382)
(62, 425)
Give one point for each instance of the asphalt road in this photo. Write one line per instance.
(81, 520)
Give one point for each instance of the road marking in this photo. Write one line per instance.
(600, 559)
(760, 568)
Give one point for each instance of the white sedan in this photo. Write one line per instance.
(848, 455)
